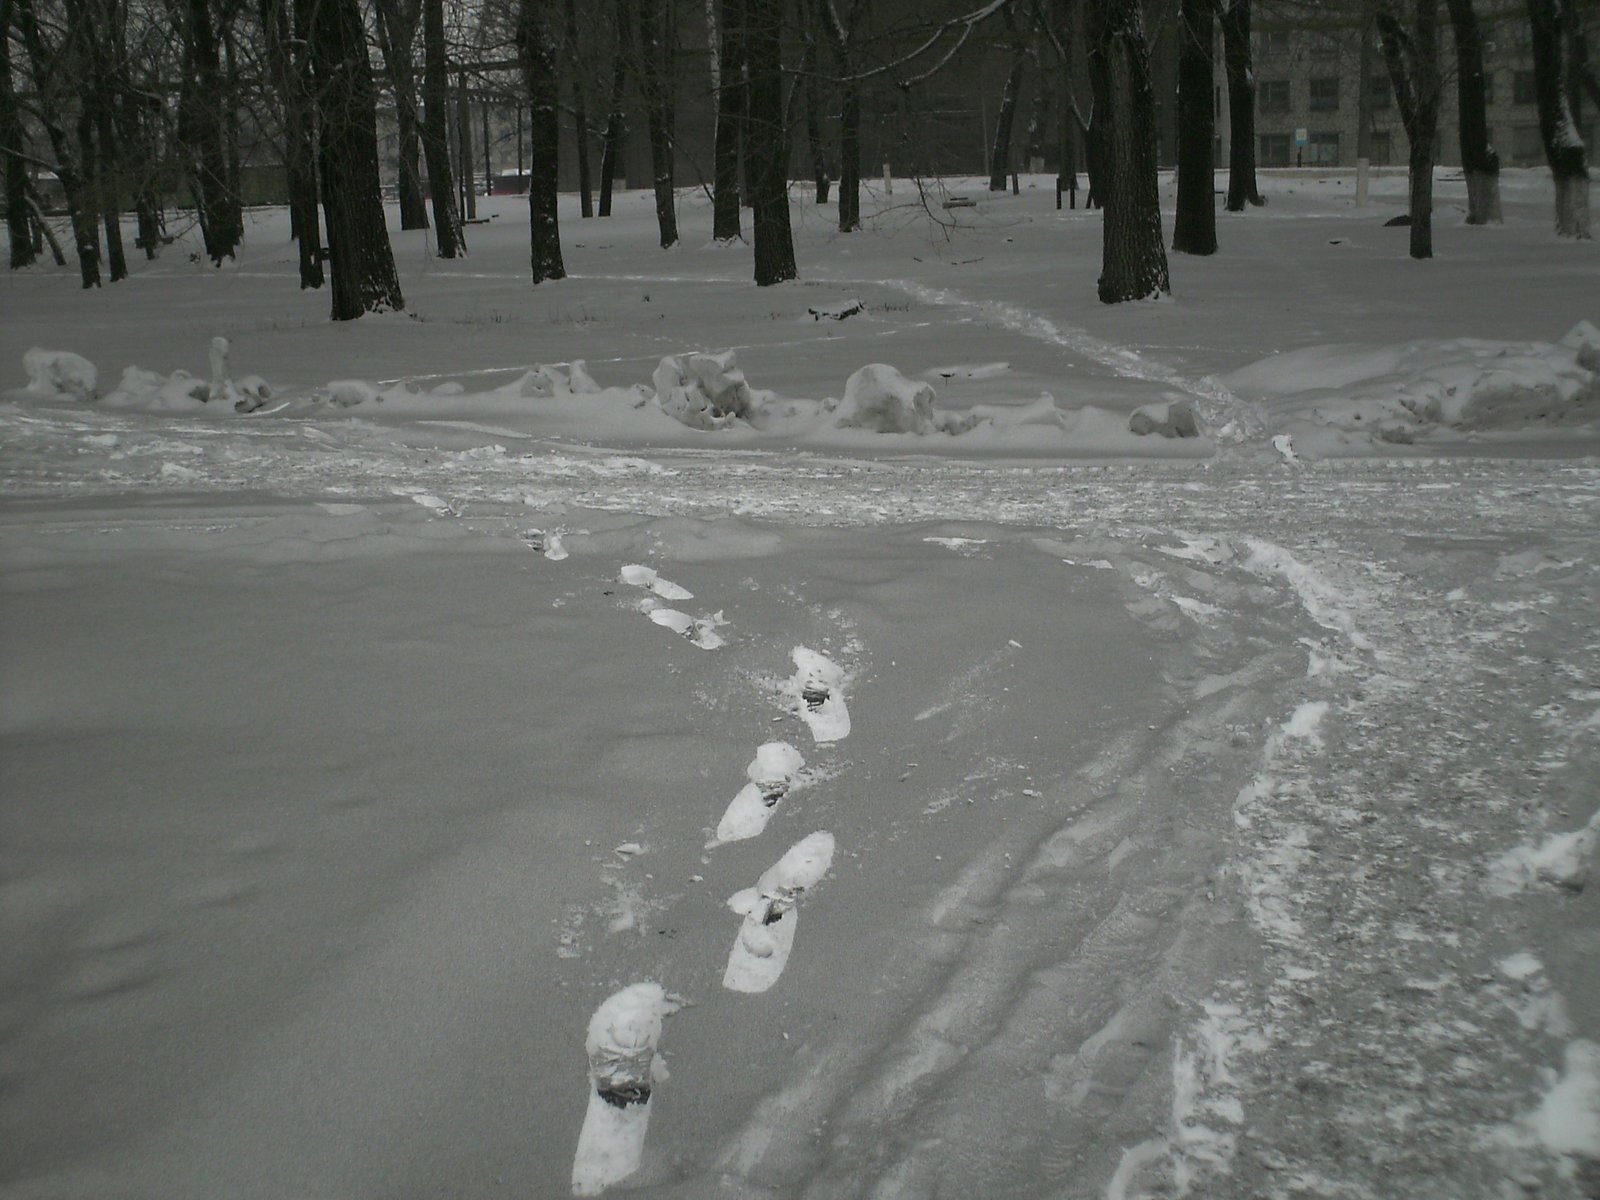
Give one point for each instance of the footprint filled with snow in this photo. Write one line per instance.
(700, 631)
(761, 951)
(816, 693)
(623, 1071)
(638, 576)
(772, 773)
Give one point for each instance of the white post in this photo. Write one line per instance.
(1363, 165)
(888, 181)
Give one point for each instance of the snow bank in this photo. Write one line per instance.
(879, 398)
(1361, 394)
(703, 391)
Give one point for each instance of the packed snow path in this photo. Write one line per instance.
(1215, 830)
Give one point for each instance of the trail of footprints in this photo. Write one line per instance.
(625, 1031)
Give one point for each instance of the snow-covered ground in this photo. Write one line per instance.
(437, 768)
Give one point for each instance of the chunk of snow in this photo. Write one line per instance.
(1561, 860)
(1173, 419)
(837, 312)
(59, 373)
(879, 398)
(703, 391)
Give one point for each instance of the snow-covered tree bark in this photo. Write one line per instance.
(537, 52)
(1563, 145)
(1133, 256)
(435, 136)
(1237, 65)
(769, 186)
(364, 278)
(1479, 162)
(731, 96)
(1194, 229)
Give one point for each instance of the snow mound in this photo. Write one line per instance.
(879, 398)
(1561, 860)
(703, 391)
(59, 373)
(1410, 390)
(550, 381)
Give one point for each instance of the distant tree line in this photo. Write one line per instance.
(126, 102)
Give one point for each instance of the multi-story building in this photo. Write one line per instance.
(1313, 81)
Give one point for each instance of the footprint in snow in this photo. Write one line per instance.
(623, 1071)
(761, 951)
(772, 772)
(816, 693)
(701, 631)
(637, 576)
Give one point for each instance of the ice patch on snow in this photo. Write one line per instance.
(635, 575)
(1567, 1118)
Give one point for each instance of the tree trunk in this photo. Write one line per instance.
(364, 278)
(1479, 161)
(816, 146)
(1236, 55)
(731, 98)
(841, 33)
(232, 207)
(46, 69)
(1563, 145)
(1194, 230)
(1000, 146)
(657, 83)
(580, 110)
(397, 37)
(435, 132)
(1412, 58)
(611, 145)
(287, 68)
(466, 170)
(774, 244)
(1134, 259)
(200, 125)
(110, 181)
(13, 144)
(537, 51)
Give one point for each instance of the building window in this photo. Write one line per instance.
(1272, 96)
(1325, 94)
(1522, 91)
(1274, 150)
(1527, 147)
(1382, 147)
(1382, 92)
(1325, 45)
(1323, 150)
(1274, 41)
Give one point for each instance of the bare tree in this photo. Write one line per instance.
(841, 29)
(657, 84)
(1479, 161)
(616, 121)
(1194, 229)
(435, 136)
(1412, 57)
(398, 21)
(1000, 145)
(1563, 144)
(13, 144)
(364, 278)
(537, 51)
(1236, 59)
(732, 94)
(289, 69)
(580, 109)
(1133, 257)
(769, 186)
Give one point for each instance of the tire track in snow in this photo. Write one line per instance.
(1229, 419)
